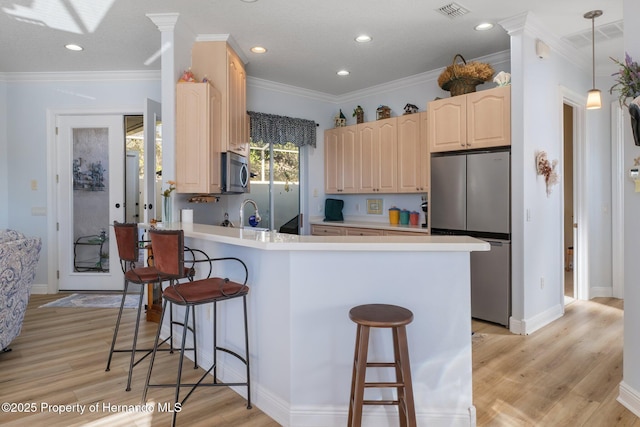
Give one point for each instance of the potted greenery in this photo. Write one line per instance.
(628, 86)
(627, 80)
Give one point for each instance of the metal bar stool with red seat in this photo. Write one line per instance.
(128, 251)
(169, 260)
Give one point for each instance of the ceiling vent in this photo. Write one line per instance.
(602, 33)
(452, 10)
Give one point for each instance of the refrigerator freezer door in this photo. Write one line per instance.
(491, 283)
(488, 192)
(448, 192)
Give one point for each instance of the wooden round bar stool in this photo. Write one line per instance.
(382, 316)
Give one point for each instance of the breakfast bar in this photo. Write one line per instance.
(301, 338)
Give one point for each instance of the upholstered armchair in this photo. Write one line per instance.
(18, 261)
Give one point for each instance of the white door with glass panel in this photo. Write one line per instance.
(90, 196)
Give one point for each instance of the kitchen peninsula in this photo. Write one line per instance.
(301, 338)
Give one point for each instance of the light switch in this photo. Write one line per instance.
(34, 185)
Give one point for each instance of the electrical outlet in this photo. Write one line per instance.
(315, 192)
(34, 185)
(542, 283)
(357, 207)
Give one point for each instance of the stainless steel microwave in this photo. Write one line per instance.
(235, 173)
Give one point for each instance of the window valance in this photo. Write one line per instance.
(273, 129)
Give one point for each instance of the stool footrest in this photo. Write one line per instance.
(381, 365)
(380, 402)
(383, 385)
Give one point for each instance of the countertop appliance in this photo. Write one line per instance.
(471, 195)
(235, 173)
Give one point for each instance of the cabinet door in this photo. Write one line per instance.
(327, 230)
(367, 156)
(332, 162)
(412, 153)
(378, 154)
(237, 84)
(387, 153)
(425, 153)
(489, 118)
(350, 164)
(197, 147)
(448, 124)
(363, 232)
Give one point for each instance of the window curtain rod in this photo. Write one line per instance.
(273, 129)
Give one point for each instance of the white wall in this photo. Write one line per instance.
(537, 90)
(27, 135)
(4, 158)
(631, 373)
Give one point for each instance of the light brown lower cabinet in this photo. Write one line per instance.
(364, 232)
(333, 230)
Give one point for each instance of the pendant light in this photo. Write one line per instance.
(593, 98)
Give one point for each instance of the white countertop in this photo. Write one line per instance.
(270, 240)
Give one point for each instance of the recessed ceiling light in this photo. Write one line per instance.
(363, 38)
(258, 49)
(483, 26)
(74, 47)
(343, 73)
(249, 1)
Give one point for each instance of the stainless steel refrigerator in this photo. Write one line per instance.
(471, 195)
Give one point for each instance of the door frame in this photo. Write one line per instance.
(52, 197)
(581, 242)
(618, 176)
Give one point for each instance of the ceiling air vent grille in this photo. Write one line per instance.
(452, 10)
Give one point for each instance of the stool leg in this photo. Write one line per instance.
(246, 347)
(358, 380)
(406, 406)
(185, 329)
(215, 343)
(135, 338)
(115, 331)
(195, 345)
(153, 354)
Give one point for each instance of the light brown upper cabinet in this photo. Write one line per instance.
(413, 153)
(216, 61)
(378, 154)
(198, 143)
(475, 120)
(342, 171)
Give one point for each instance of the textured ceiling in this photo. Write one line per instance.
(307, 40)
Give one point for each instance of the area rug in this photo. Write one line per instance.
(94, 301)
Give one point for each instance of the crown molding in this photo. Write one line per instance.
(527, 23)
(164, 21)
(224, 38)
(289, 90)
(494, 58)
(81, 76)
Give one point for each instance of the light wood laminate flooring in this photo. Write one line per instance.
(60, 358)
(566, 374)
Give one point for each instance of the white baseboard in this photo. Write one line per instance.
(629, 398)
(39, 288)
(529, 326)
(601, 292)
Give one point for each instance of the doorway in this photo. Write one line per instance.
(569, 218)
(90, 184)
(574, 247)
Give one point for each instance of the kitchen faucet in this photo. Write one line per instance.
(255, 206)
